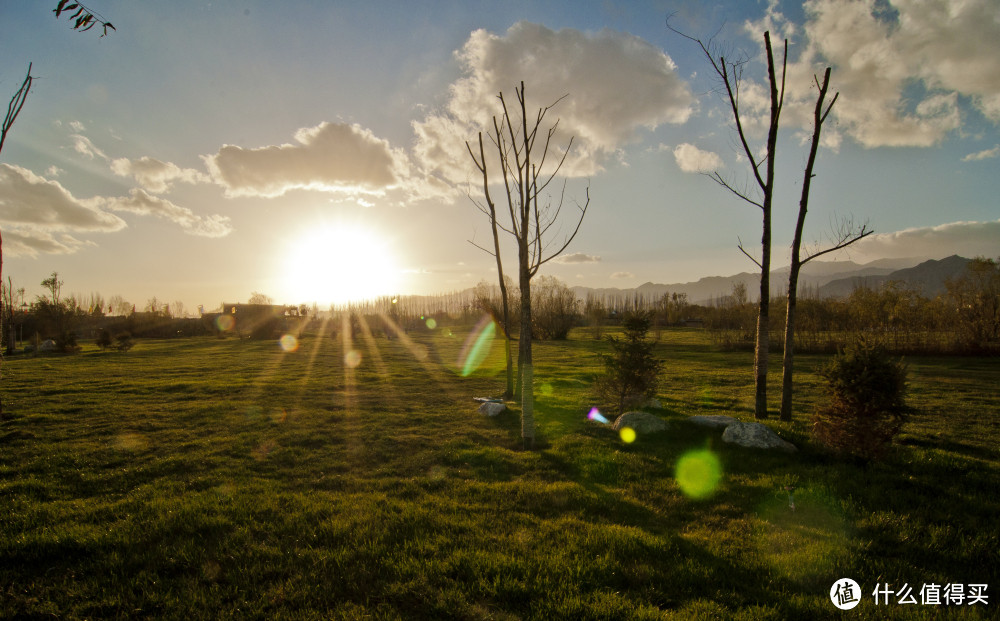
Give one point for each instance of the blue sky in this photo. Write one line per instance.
(206, 150)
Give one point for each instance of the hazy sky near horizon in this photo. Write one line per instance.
(207, 150)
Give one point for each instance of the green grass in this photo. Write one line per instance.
(208, 478)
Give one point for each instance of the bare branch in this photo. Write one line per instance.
(748, 255)
(15, 105)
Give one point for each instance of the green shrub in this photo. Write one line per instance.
(631, 371)
(123, 342)
(104, 340)
(865, 405)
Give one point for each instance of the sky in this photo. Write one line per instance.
(313, 151)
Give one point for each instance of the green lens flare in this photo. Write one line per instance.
(477, 346)
(698, 473)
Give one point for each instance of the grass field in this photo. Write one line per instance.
(218, 478)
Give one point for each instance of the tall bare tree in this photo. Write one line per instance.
(526, 177)
(490, 209)
(730, 72)
(845, 236)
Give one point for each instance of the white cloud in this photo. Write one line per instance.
(140, 202)
(27, 199)
(967, 239)
(622, 275)
(54, 171)
(983, 155)
(83, 146)
(900, 66)
(576, 257)
(614, 83)
(154, 175)
(331, 157)
(29, 242)
(77, 126)
(691, 159)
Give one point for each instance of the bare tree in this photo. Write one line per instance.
(490, 210)
(259, 298)
(845, 236)
(730, 72)
(522, 164)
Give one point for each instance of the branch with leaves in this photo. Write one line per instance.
(83, 19)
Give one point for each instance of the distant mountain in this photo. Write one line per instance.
(826, 278)
(928, 277)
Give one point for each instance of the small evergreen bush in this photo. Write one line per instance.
(123, 342)
(104, 340)
(631, 372)
(865, 406)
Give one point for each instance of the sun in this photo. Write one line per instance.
(339, 264)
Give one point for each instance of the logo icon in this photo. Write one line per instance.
(845, 594)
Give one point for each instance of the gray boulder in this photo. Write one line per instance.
(492, 408)
(715, 421)
(640, 422)
(755, 435)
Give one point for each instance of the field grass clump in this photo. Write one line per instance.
(232, 479)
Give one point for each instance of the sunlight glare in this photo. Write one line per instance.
(340, 264)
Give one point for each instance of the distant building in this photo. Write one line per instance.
(257, 320)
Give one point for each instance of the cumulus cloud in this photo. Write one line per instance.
(140, 202)
(967, 239)
(615, 83)
(691, 159)
(156, 176)
(576, 257)
(622, 275)
(331, 157)
(900, 66)
(27, 199)
(983, 155)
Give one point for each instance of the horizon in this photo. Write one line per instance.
(196, 156)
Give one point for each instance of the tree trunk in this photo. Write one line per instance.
(524, 356)
(787, 359)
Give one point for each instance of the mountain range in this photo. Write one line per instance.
(822, 278)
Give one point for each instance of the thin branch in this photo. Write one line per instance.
(15, 105)
(716, 177)
(748, 255)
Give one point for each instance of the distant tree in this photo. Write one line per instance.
(976, 299)
(54, 285)
(631, 371)
(554, 308)
(119, 306)
(259, 298)
(522, 164)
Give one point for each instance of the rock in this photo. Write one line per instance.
(640, 422)
(47, 345)
(715, 421)
(755, 435)
(492, 408)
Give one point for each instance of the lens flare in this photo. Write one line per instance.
(546, 389)
(224, 323)
(431, 324)
(477, 346)
(627, 435)
(288, 343)
(352, 359)
(595, 415)
(698, 473)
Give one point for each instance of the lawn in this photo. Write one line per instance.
(220, 478)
